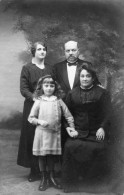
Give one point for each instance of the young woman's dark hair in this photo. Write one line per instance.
(89, 68)
(39, 89)
(34, 46)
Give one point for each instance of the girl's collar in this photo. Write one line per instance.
(51, 98)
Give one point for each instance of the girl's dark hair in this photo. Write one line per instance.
(39, 90)
(89, 68)
(34, 46)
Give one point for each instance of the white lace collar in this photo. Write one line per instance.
(46, 98)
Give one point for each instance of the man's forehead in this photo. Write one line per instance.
(70, 44)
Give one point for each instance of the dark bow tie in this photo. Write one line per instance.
(72, 64)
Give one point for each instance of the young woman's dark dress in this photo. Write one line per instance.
(29, 77)
(90, 109)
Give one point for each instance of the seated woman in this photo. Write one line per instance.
(89, 104)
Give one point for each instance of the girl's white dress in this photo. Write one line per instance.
(47, 140)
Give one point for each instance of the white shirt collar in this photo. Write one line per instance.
(71, 71)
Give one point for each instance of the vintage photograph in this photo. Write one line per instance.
(62, 97)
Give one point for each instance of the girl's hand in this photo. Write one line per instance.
(72, 132)
(100, 134)
(43, 123)
(69, 130)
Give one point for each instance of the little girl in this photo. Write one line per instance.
(46, 115)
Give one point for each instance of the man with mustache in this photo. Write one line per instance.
(66, 72)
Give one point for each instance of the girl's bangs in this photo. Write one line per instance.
(48, 81)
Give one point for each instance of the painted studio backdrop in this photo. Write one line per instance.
(96, 25)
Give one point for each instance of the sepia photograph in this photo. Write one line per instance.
(62, 97)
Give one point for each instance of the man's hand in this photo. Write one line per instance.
(100, 134)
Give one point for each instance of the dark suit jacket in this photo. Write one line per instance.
(61, 75)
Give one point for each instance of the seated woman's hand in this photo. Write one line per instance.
(43, 123)
(72, 132)
(100, 134)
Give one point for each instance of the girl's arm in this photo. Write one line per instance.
(68, 116)
(33, 116)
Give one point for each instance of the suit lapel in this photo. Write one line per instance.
(64, 74)
(77, 79)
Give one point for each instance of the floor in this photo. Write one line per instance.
(13, 178)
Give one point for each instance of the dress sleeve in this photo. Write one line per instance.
(33, 116)
(106, 108)
(65, 111)
(24, 84)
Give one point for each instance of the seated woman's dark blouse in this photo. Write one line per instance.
(90, 109)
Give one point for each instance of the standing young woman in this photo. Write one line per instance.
(30, 75)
